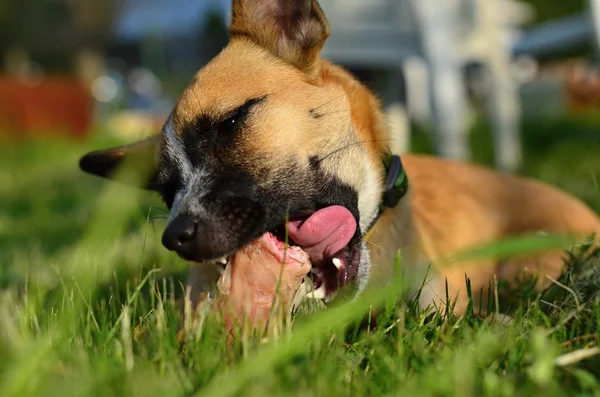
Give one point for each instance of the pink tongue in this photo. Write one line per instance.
(325, 233)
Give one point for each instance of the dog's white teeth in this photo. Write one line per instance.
(318, 294)
(224, 283)
(221, 265)
(337, 263)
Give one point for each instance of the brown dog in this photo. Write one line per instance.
(269, 141)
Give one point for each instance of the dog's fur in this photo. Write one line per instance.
(268, 128)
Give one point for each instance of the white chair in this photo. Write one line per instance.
(430, 41)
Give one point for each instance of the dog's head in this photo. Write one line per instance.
(267, 138)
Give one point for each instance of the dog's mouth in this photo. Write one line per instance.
(325, 237)
(318, 246)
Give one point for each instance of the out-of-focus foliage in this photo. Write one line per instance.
(56, 26)
(552, 9)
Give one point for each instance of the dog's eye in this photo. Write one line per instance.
(230, 125)
(236, 119)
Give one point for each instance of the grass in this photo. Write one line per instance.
(90, 302)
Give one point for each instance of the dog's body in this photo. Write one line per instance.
(454, 207)
(269, 132)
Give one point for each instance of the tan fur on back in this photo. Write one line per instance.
(455, 206)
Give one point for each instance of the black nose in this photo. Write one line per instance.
(180, 235)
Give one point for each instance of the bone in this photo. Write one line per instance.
(258, 286)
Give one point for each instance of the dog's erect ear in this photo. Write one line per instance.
(293, 30)
(139, 157)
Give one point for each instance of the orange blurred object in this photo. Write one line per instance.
(56, 106)
(582, 83)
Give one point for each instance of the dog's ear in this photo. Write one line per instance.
(133, 165)
(293, 30)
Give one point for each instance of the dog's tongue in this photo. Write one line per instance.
(324, 233)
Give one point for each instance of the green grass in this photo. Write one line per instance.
(90, 302)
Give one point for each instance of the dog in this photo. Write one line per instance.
(269, 139)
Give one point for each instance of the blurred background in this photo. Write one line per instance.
(511, 84)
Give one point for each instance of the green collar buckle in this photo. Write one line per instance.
(396, 182)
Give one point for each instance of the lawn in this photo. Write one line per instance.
(89, 302)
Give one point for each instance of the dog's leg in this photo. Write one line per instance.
(484, 277)
(450, 287)
(539, 266)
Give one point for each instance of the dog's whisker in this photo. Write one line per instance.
(336, 151)
(333, 112)
(164, 211)
(151, 219)
(375, 245)
(318, 154)
(329, 101)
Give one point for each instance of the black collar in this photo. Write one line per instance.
(396, 186)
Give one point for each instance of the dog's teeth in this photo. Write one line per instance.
(224, 283)
(337, 263)
(222, 261)
(318, 294)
